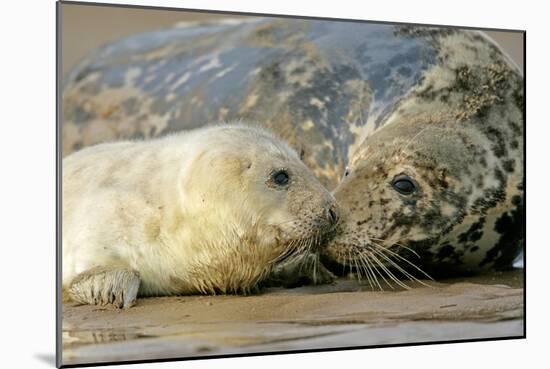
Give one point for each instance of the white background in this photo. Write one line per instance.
(27, 184)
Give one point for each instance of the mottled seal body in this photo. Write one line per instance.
(331, 88)
(320, 85)
(205, 211)
(441, 180)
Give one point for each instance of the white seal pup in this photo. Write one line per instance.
(204, 211)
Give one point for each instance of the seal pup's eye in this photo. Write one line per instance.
(346, 173)
(404, 185)
(280, 177)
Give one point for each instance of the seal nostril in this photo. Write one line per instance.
(332, 216)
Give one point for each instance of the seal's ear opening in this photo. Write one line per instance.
(220, 165)
(232, 163)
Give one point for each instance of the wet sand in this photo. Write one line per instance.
(314, 317)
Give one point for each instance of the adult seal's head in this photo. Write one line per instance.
(440, 184)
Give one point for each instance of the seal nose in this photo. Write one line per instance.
(331, 214)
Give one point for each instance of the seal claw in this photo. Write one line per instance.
(106, 286)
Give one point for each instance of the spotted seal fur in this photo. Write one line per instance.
(337, 91)
(441, 179)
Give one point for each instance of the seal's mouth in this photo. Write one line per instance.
(313, 235)
(334, 266)
(295, 249)
(340, 267)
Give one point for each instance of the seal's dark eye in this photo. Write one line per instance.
(346, 173)
(404, 185)
(280, 177)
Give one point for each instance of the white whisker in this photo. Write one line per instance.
(388, 272)
(402, 258)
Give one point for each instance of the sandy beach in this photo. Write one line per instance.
(312, 317)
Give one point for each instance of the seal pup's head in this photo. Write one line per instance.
(251, 202)
(424, 194)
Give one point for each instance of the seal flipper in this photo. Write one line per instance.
(117, 286)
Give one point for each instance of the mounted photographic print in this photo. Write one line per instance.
(241, 184)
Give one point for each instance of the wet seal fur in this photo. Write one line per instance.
(339, 92)
(194, 212)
